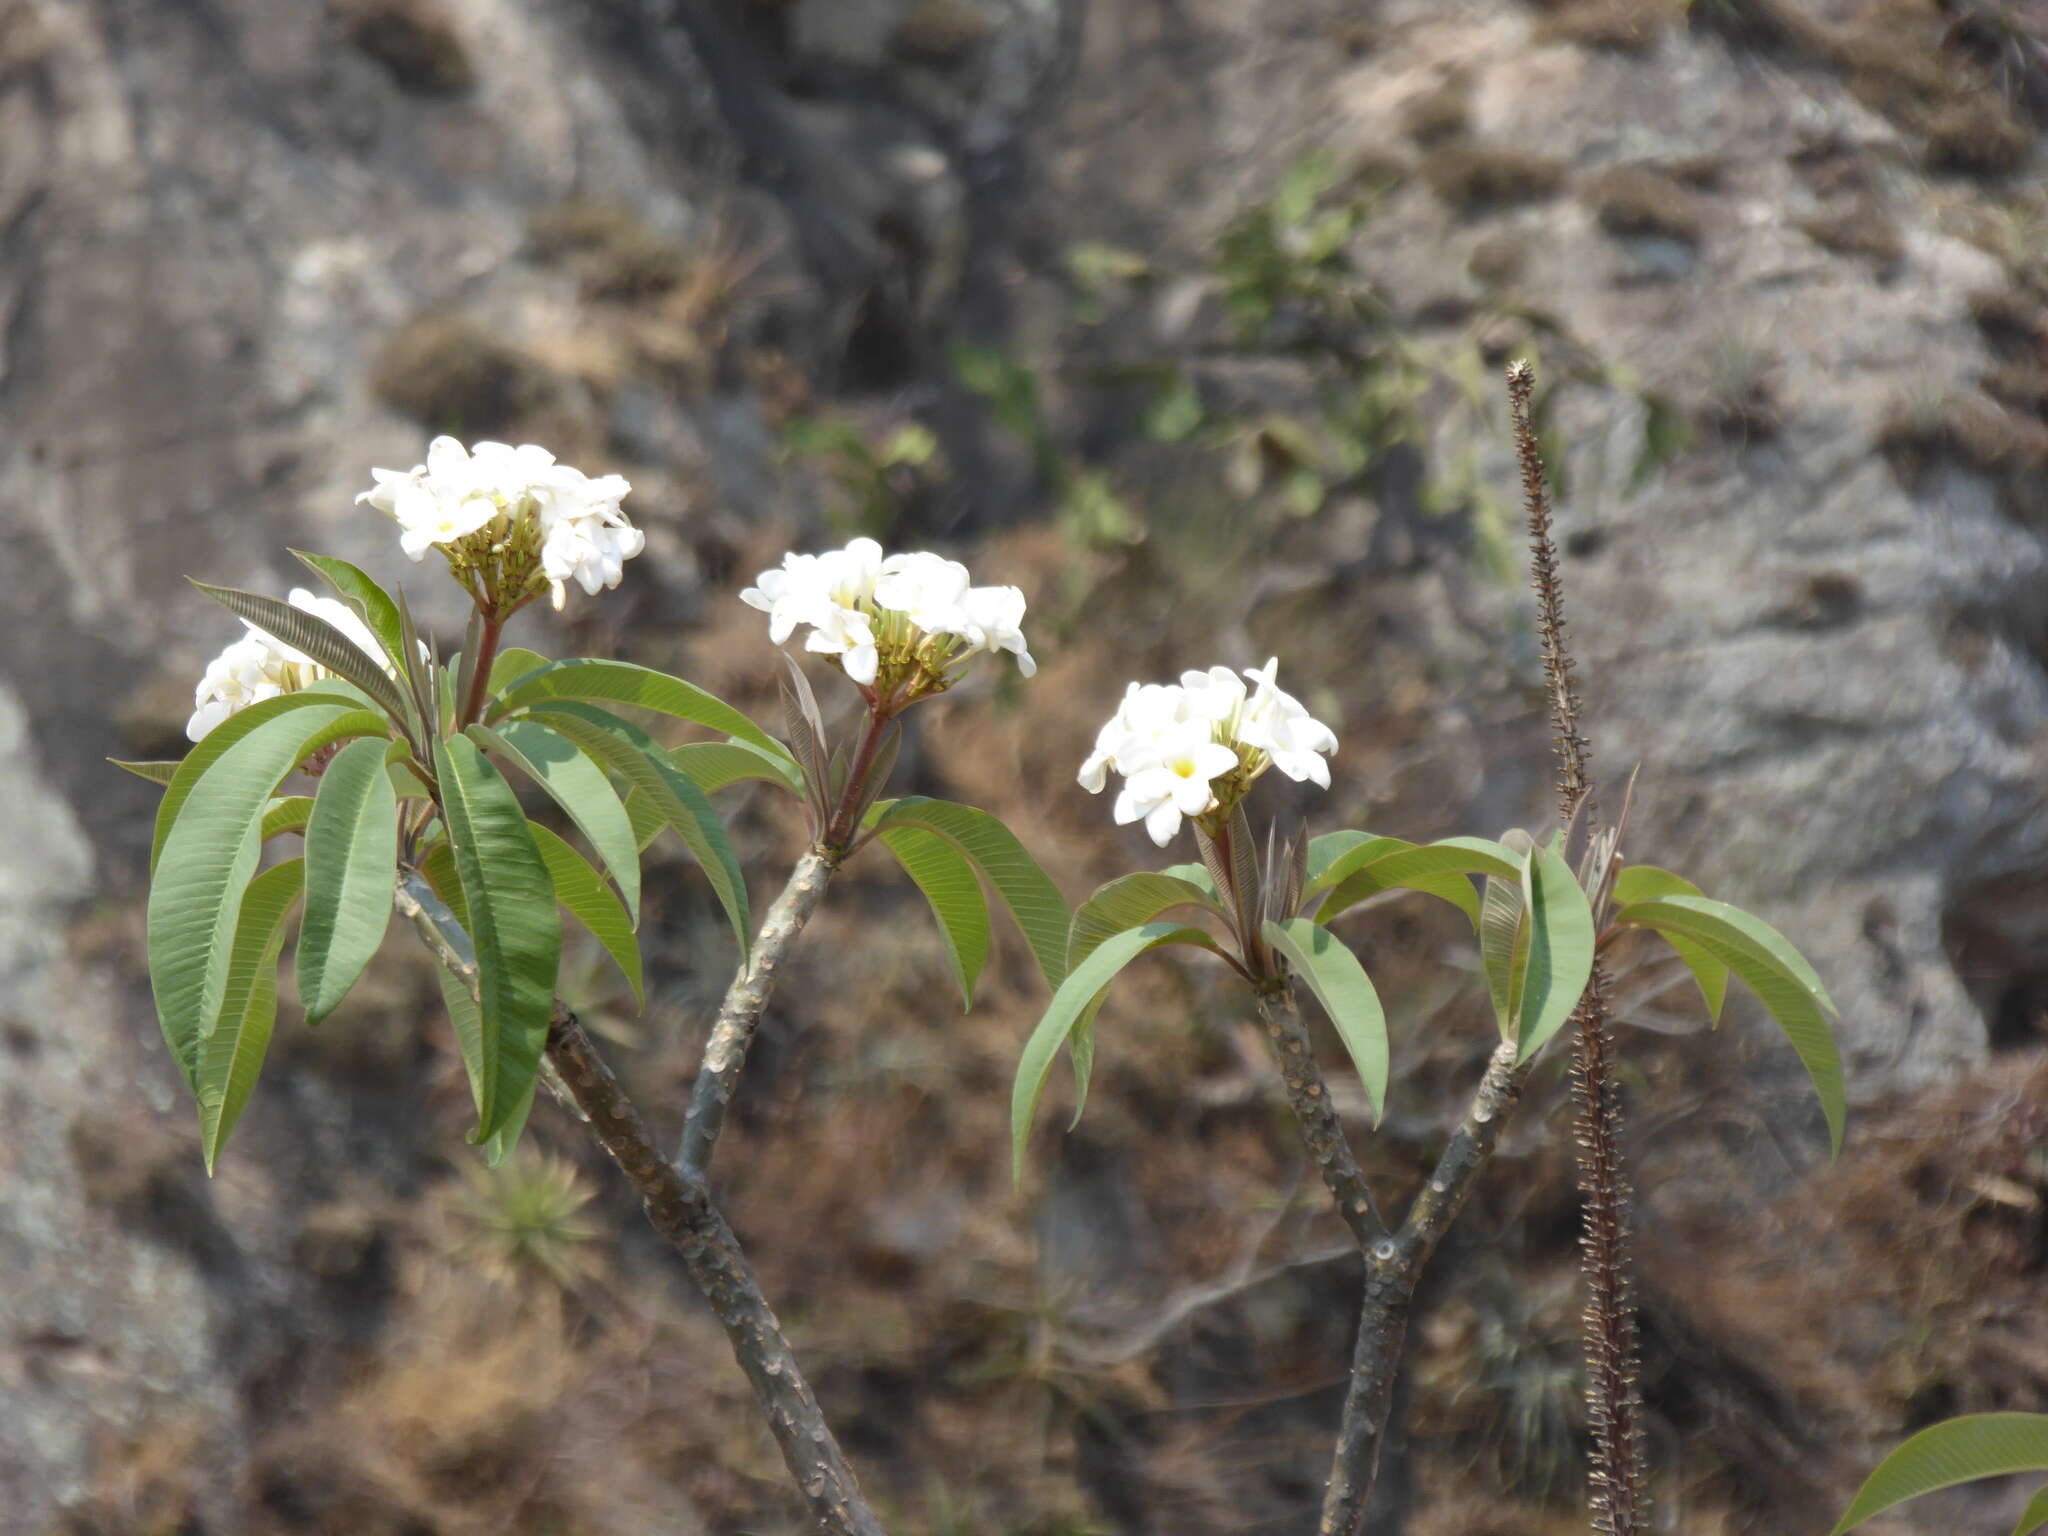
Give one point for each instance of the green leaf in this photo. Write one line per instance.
(581, 788)
(1646, 882)
(510, 917)
(620, 682)
(1437, 869)
(287, 813)
(232, 1054)
(156, 773)
(1199, 878)
(950, 885)
(1131, 901)
(351, 865)
(209, 751)
(712, 765)
(1346, 993)
(2034, 1516)
(1331, 846)
(1072, 1001)
(466, 1020)
(371, 602)
(1776, 972)
(1559, 950)
(1503, 947)
(579, 888)
(316, 638)
(632, 754)
(1034, 901)
(513, 663)
(1961, 1450)
(195, 898)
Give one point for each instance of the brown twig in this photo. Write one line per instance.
(679, 1207)
(1393, 1268)
(1322, 1134)
(1620, 1492)
(725, 1050)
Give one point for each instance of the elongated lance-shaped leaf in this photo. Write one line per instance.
(465, 663)
(416, 669)
(513, 663)
(1771, 968)
(713, 765)
(351, 865)
(1072, 1001)
(632, 754)
(619, 682)
(231, 1056)
(286, 813)
(1247, 878)
(1340, 984)
(1199, 878)
(195, 898)
(1131, 901)
(1646, 882)
(581, 787)
(510, 911)
(1224, 879)
(1325, 850)
(880, 766)
(372, 604)
(1558, 950)
(1081, 1056)
(1035, 903)
(590, 901)
(1504, 935)
(1960, 1450)
(807, 743)
(317, 639)
(953, 889)
(156, 772)
(217, 741)
(2034, 1516)
(1437, 869)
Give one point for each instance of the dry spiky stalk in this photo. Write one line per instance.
(1620, 1494)
(1574, 781)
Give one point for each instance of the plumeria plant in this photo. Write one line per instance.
(332, 721)
(1545, 912)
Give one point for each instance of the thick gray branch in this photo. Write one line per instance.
(1393, 1269)
(680, 1209)
(725, 1052)
(1322, 1132)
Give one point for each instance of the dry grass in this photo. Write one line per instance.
(1861, 230)
(415, 40)
(1474, 176)
(451, 374)
(1625, 26)
(1644, 200)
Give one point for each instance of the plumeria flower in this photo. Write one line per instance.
(902, 625)
(511, 520)
(260, 666)
(1194, 747)
(1276, 723)
(1175, 781)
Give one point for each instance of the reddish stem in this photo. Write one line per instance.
(480, 674)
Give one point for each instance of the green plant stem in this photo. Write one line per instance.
(679, 1207)
(725, 1051)
(1393, 1268)
(480, 675)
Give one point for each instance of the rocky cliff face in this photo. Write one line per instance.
(1781, 268)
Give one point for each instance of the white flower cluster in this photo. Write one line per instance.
(459, 492)
(260, 666)
(876, 611)
(1174, 742)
